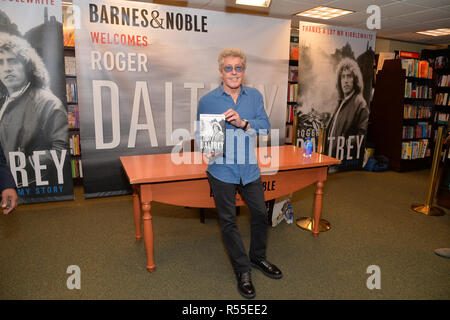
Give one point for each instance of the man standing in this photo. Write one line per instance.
(7, 186)
(244, 112)
(348, 125)
(31, 117)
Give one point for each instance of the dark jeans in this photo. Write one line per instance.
(225, 199)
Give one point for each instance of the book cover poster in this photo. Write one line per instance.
(335, 82)
(33, 111)
(143, 67)
(212, 133)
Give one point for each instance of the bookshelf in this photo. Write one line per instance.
(292, 98)
(402, 114)
(440, 61)
(443, 191)
(73, 113)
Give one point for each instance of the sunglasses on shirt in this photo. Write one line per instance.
(229, 68)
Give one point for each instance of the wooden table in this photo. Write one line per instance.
(158, 178)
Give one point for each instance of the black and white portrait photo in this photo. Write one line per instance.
(335, 81)
(33, 113)
(348, 124)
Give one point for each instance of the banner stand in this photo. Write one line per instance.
(140, 82)
(307, 223)
(428, 208)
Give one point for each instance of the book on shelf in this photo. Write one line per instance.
(73, 116)
(416, 112)
(442, 99)
(417, 68)
(292, 92)
(293, 55)
(212, 133)
(415, 90)
(441, 117)
(71, 120)
(290, 112)
(77, 169)
(439, 62)
(70, 66)
(420, 130)
(424, 70)
(68, 25)
(74, 143)
(71, 91)
(293, 73)
(444, 80)
(415, 149)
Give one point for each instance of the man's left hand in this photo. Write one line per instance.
(9, 200)
(233, 117)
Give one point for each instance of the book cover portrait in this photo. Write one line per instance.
(212, 133)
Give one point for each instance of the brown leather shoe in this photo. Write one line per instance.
(245, 286)
(267, 268)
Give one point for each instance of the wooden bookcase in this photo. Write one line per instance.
(73, 116)
(387, 116)
(292, 98)
(440, 60)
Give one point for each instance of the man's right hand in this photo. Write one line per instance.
(210, 155)
(9, 200)
(233, 117)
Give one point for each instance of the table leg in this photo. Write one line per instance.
(137, 212)
(202, 215)
(148, 235)
(317, 207)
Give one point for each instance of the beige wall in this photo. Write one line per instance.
(386, 45)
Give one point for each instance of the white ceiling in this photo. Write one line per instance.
(400, 19)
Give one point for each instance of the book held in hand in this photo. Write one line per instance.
(212, 133)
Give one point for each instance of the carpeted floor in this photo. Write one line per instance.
(370, 215)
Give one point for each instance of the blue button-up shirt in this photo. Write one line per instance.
(238, 162)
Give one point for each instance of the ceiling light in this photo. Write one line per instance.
(436, 32)
(256, 3)
(324, 13)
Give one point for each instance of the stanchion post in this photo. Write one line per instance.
(428, 208)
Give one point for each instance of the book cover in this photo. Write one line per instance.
(68, 25)
(424, 148)
(70, 66)
(212, 133)
(293, 73)
(294, 53)
(72, 166)
(81, 168)
(71, 119)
